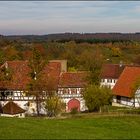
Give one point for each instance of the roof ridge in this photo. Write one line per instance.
(74, 72)
(133, 66)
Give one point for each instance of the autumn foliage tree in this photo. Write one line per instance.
(94, 65)
(54, 104)
(5, 76)
(36, 85)
(2, 57)
(5, 79)
(11, 53)
(94, 95)
(137, 59)
(42, 84)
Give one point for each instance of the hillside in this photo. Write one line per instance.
(78, 36)
(78, 49)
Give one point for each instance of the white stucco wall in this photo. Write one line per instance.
(30, 106)
(129, 102)
(108, 82)
(66, 94)
(21, 115)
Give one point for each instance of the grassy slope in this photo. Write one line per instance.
(95, 127)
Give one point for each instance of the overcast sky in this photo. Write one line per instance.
(22, 17)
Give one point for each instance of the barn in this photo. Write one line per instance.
(70, 88)
(123, 90)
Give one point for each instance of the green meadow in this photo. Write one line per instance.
(93, 127)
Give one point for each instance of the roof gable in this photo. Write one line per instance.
(21, 70)
(12, 108)
(126, 81)
(112, 71)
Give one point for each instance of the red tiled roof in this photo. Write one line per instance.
(52, 72)
(126, 81)
(111, 71)
(12, 108)
(72, 79)
(20, 73)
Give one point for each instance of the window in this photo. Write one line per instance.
(73, 91)
(65, 91)
(109, 80)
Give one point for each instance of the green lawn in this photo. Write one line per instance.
(121, 127)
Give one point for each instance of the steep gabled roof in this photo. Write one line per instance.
(12, 108)
(72, 79)
(111, 71)
(20, 73)
(126, 81)
(52, 72)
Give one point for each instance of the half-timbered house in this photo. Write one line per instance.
(68, 85)
(110, 74)
(124, 88)
(16, 88)
(70, 88)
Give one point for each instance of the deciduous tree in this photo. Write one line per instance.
(54, 104)
(5, 79)
(137, 60)
(94, 68)
(36, 85)
(95, 97)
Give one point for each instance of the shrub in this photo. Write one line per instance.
(74, 111)
(54, 105)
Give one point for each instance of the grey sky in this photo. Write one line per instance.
(22, 17)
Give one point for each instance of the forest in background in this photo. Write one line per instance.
(78, 49)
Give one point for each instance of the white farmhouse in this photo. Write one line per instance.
(70, 88)
(16, 88)
(110, 74)
(123, 90)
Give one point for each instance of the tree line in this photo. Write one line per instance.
(77, 54)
